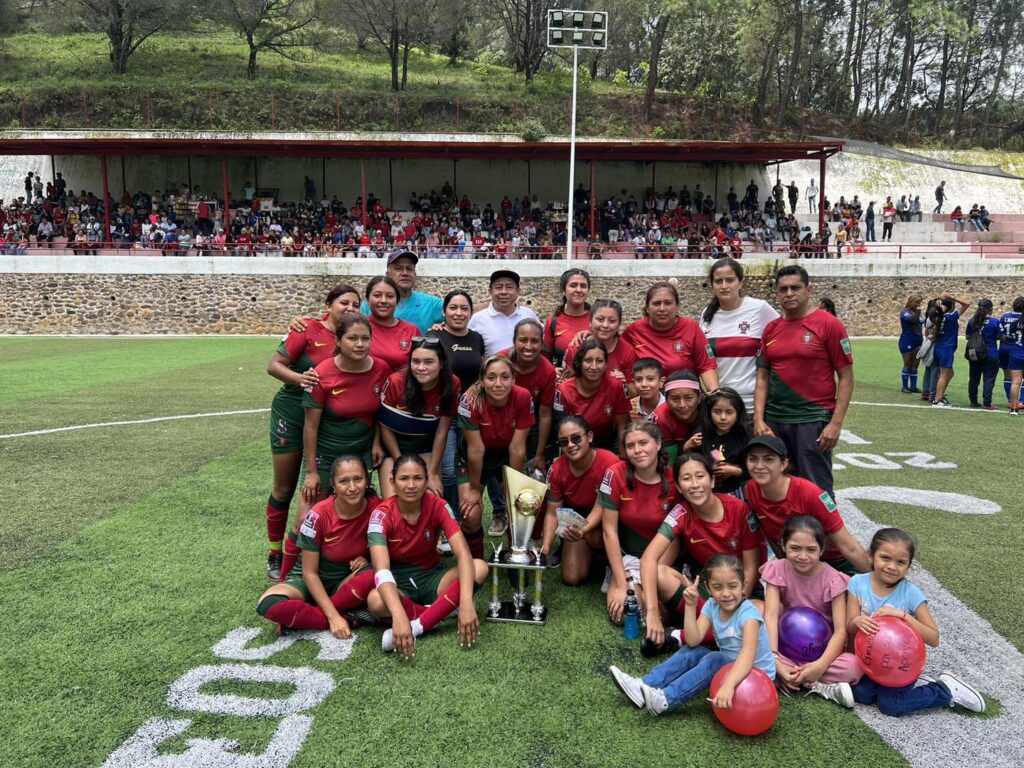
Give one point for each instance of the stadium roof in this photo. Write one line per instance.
(403, 145)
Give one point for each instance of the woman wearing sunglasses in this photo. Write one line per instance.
(416, 411)
(573, 481)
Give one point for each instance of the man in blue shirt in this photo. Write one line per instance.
(420, 309)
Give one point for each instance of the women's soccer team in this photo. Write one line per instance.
(643, 431)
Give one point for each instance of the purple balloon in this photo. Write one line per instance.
(803, 635)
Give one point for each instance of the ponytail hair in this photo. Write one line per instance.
(714, 305)
(563, 281)
(515, 334)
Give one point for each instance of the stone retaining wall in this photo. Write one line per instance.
(109, 295)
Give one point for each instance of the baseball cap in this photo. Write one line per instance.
(771, 442)
(500, 274)
(393, 257)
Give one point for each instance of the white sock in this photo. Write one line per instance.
(678, 635)
(417, 628)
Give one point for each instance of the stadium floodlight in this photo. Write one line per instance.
(575, 29)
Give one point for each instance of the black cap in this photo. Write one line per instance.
(393, 257)
(771, 442)
(500, 274)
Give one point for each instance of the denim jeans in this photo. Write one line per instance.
(896, 702)
(687, 672)
(984, 371)
(931, 379)
(449, 473)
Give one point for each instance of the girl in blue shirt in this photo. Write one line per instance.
(911, 337)
(987, 368)
(739, 632)
(1011, 354)
(946, 333)
(887, 592)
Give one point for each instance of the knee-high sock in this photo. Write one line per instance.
(297, 614)
(1006, 388)
(441, 608)
(913, 379)
(905, 374)
(277, 521)
(352, 593)
(412, 610)
(291, 554)
(475, 540)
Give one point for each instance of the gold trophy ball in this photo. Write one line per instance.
(528, 502)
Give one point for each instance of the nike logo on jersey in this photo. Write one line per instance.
(328, 540)
(336, 392)
(697, 541)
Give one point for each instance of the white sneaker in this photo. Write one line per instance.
(963, 694)
(628, 685)
(607, 583)
(654, 699)
(387, 640)
(840, 693)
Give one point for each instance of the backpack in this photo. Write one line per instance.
(976, 350)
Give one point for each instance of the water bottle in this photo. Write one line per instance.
(631, 626)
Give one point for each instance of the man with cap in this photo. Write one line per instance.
(804, 379)
(420, 309)
(497, 321)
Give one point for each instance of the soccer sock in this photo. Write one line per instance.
(913, 379)
(1006, 387)
(475, 540)
(412, 610)
(441, 608)
(294, 614)
(277, 521)
(905, 375)
(291, 554)
(352, 593)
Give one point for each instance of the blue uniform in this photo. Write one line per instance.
(910, 330)
(1011, 353)
(945, 344)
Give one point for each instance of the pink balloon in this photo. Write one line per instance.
(894, 656)
(755, 703)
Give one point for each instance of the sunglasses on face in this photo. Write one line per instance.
(563, 442)
(431, 342)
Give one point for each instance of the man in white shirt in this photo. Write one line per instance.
(497, 320)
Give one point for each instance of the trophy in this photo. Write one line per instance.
(524, 497)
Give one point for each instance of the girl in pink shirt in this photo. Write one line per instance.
(802, 580)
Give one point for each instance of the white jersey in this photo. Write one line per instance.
(735, 336)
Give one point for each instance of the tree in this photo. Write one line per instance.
(278, 26)
(396, 25)
(129, 23)
(525, 23)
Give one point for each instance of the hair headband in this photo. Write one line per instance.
(682, 384)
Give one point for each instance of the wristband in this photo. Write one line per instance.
(383, 576)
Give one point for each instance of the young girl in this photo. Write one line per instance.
(723, 437)
(678, 417)
(887, 592)
(801, 580)
(739, 631)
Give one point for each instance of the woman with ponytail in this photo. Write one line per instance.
(571, 317)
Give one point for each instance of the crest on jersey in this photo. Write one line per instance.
(608, 410)
(678, 347)
(403, 344)
(426, 534)
(808, 337)
(744, 326)
(733, 544)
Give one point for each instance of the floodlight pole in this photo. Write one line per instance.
(572, 157)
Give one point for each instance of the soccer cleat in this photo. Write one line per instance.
(840, 693)
(671, 645)
(360, 617)
(963, 694)
(274, 560)
(554, 560)
(943, 403)
(926, 396)
(498, 527)
(906, 390)
(654, 699)
(629, 685)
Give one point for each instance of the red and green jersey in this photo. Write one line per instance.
(497, 426)
(802, 357)
(703, 540)
(641, 509)
(684, 345)
(392, 343)
(620, 359)
(412, 543)
(306, 350)
(540, 382)
(415, 433)
(350, 402)
(599, 409)
(673, 431)
(565, 329)
(567, 490)
(337, 540)
(802, 498)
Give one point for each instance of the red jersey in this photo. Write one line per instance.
(416, 543)
(392, 344)
(567, 490)
(497, 426)
(415, 433)
(565, 329)
(350, 402)
(540, 382)
(620, 359)
(684, 345)
(307, 349)
(802, 357)
(600, 409)
(703, 540)
(672, 429)
(338, 541)
(802, 498)
(641, 508)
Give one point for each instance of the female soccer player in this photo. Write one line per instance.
(676, 342)
(392, 337)
(593, 394)
(536, 375)
(571, 317)
(605, 323)
(294, 364)
(679, 416)
(911, 337)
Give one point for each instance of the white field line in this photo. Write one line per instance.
(153, 420)
(924, 406)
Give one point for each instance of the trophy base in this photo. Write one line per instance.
(524, 615)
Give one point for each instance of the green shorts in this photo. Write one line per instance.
(286, 419)
(418, 584)
(331, 582)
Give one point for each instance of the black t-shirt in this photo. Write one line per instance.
(729, 448)
(465, 354)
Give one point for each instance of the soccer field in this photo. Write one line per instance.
(132, 552)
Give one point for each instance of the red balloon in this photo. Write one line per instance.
(755, 703)
(894, 656)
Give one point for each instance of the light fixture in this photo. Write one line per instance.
(598, 39)
(578, 18)
(597, 22)
(557, 37)
(577, 37)
(557, 18)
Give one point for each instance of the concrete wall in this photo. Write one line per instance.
(85, 295)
